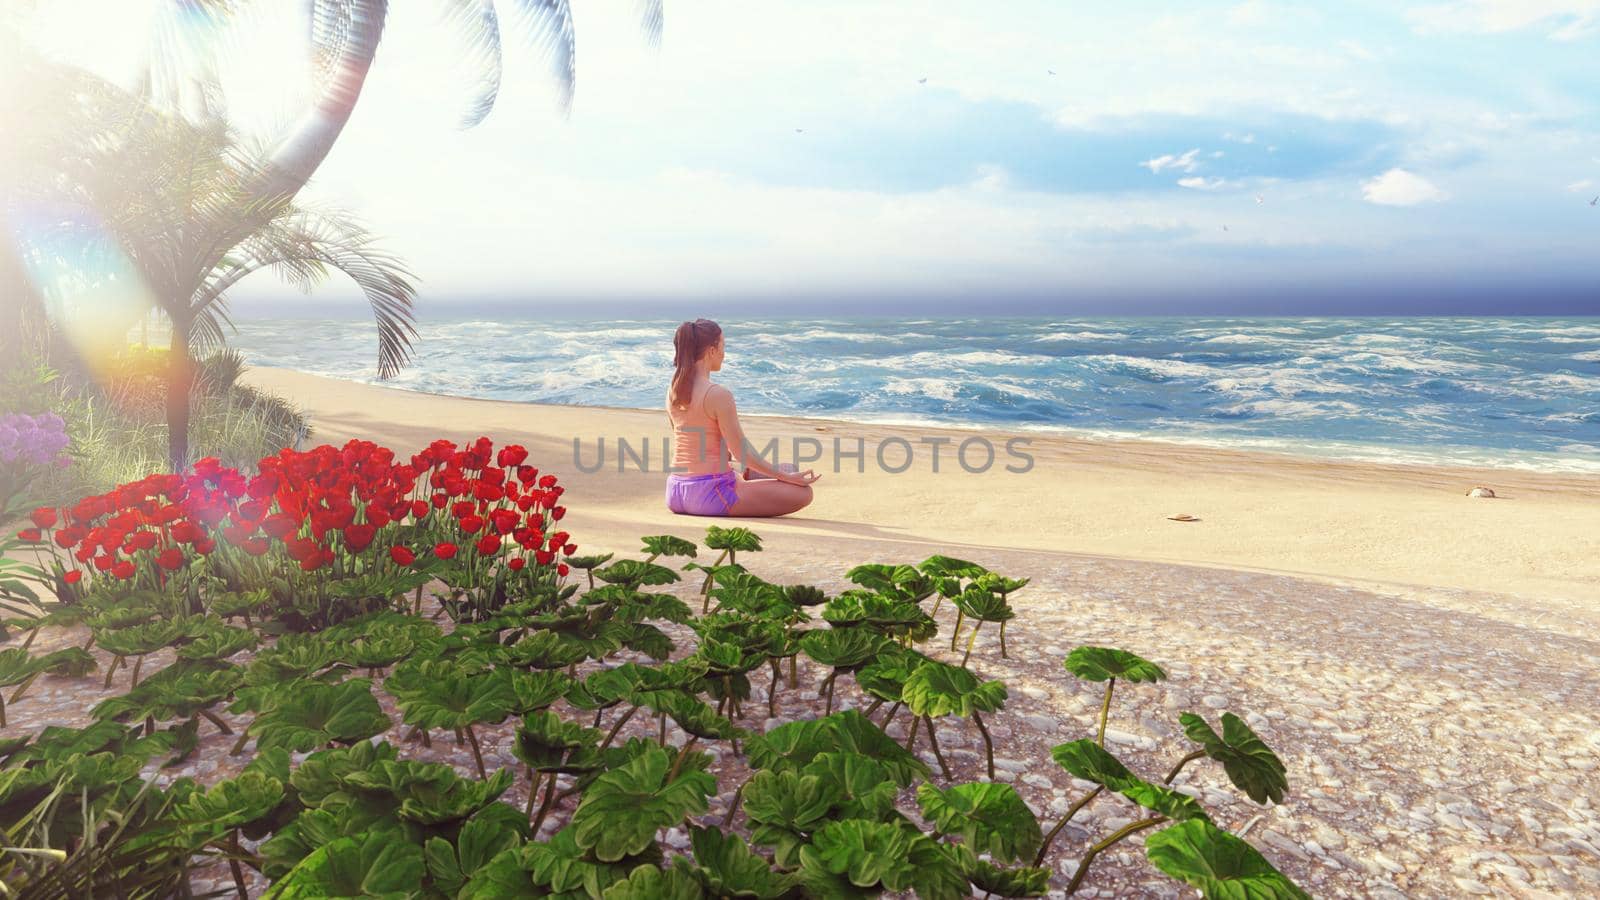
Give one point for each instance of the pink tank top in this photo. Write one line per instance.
(697, 445)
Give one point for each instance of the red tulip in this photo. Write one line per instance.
(143, 540)
(511, 455)
(548, 481)
(73, 577)
(505, 520)
(489, 544)
(104, 563)
(170, 559)
(544, 557)
(419, 509)
(563, 569)
(569, 549)
(65, 537)
(31, 535)
(204, 546)
(359, 537)
(185, 532)
(44, 517)
(527, 474)
(472, 524)
(444, 550)
(280, 526)
(517, 563)
(402, 555)
(255, 546)
(123, 570)
(558, 513)
(311, 563)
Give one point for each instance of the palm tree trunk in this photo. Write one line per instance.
(294, 160)
(179, 382)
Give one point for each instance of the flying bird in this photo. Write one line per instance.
(1224, 228)
(1260, 199)
(1594, 201)
(922, 80)
(1051, 71)
(799, 131)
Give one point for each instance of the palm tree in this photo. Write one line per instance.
(344, 37)
(163, 195)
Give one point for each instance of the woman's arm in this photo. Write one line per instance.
(719, 403)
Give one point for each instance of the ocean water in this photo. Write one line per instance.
(1477, 391)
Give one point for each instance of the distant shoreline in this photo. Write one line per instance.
(1365, 454)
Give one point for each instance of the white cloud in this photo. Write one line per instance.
(1568, 20)
(1181, 163)
(1198, 183)
(1397, 187)
(1581, 186)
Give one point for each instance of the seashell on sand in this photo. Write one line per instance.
(1481, 492)
(1183, 517)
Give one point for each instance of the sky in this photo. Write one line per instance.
(839, 155)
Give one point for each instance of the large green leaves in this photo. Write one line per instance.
(742, 540)
(545, 742)
(1023, 881)
(848, 856)
(1089, 761)
(481, 840)
(309, 715)
(633, 573)
(938, 689)
(991, 818)
(456, 700)
(1219, 864)
(793, 745)
(786, 807)
(985, 606)
(623, 809)
(378, 864)
(668, 545)
(1103, 663)
(726, 867)
(649, 882)
(1250, 763)
(841, 648)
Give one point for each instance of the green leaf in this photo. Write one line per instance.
(841, 648)
(1025, 881)
(218, 644)
(1089, 761)
(983, 605)
(69, 662)
(990, 818)
(741, 540)
(648, 882)
(793, 745)
(313, 715)
(378, 864)
(231, 804)
(863, 789)
(668, 545)
(1219, 864)
(785, 808)
(589, 562)
(867, 854)
(546, 741)
(1250, 763)
(950, 567)
(938, 689)
(634, 573)
(480, 841)
(726, 867)
(1103, 663)
(457, 700)
(15, 666)
(623, 809)
(425, 793)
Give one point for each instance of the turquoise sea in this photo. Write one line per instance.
(1521, 392)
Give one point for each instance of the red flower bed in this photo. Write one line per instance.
(326, 512)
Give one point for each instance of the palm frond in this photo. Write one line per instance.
(551, 24)
(476, 27)
(652, 20)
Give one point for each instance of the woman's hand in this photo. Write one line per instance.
(801, 478)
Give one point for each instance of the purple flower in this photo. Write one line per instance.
(33, 440)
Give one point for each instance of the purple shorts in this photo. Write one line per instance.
(702, 495)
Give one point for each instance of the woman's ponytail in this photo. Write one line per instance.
(690, 343)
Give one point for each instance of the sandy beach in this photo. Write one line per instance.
(1402, 527)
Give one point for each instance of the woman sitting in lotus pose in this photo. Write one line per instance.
(705, 429)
